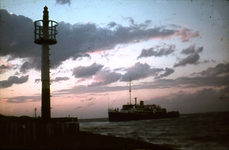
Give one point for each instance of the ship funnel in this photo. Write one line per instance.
(141, 103)
(135, 100)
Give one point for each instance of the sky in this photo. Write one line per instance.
(176, 53)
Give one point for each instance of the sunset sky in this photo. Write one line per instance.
(176, 53)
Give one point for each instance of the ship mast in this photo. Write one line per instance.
(130, 90)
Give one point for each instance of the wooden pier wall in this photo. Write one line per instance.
(14, 132)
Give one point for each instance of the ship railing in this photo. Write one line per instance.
(113, 109)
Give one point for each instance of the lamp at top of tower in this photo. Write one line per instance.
(41, 26)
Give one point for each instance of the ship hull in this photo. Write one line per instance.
(118, 116)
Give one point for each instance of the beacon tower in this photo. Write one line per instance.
(45, 35)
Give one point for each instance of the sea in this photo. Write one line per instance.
(199, 131)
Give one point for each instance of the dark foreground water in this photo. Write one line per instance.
(204, 131)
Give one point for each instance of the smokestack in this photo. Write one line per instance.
(45, 35)
(135, 100)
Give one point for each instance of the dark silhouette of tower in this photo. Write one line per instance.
(45, 35)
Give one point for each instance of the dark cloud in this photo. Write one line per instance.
(81, 55)
(17, 73)
(18, 32)
(83, 38)
(37, 80)
(190, 59)
(157, 53)
(186, 82)
(175, 26)
(181, 82)
(145, 24)
(57, 79)
(82, 89)
(85, 72)
(191, 50)
(105, 77)
(13, 80)
(168, 71)
(23, 99)
(111, 24)
(74, 41)
(91, 104)
(220, 69)
(63, 2)
(90, 99)
(33, 64)
(207, 61)
(4, 68)
(204, 100)
(136, 72)
(200, 49)
(140, 71)
(212, 77)
(136, 25)
(79, 107)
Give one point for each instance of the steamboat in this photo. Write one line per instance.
(139, 111)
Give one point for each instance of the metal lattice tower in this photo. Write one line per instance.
(45, 35)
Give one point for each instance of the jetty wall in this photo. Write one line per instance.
(17, 132)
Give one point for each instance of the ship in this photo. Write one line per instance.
(139, 111)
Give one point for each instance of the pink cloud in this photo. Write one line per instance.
(2, 61)
(186, 34)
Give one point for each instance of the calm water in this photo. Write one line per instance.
(204, 131)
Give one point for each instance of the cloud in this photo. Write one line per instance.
(23, 99)
(204, 100)
(91, 104)
(140, 71)
(18, 38)
(63, 2)
(33, 63)
(79, 107)
(105, 77)
(76, 41)
(181, 82)
(186, 82)
(207, 61)
(220, 69)
(214, 79)
(186, 34)
(85, 72)
(4, 68)
(190, 59)
(168, 71)
(13, 80)
(111, 24)
(84, 38)
(37, 80)
(157, 53)
(57, 79)
(191, 50)
(73, 41)
(136, 72)
(90, 99)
